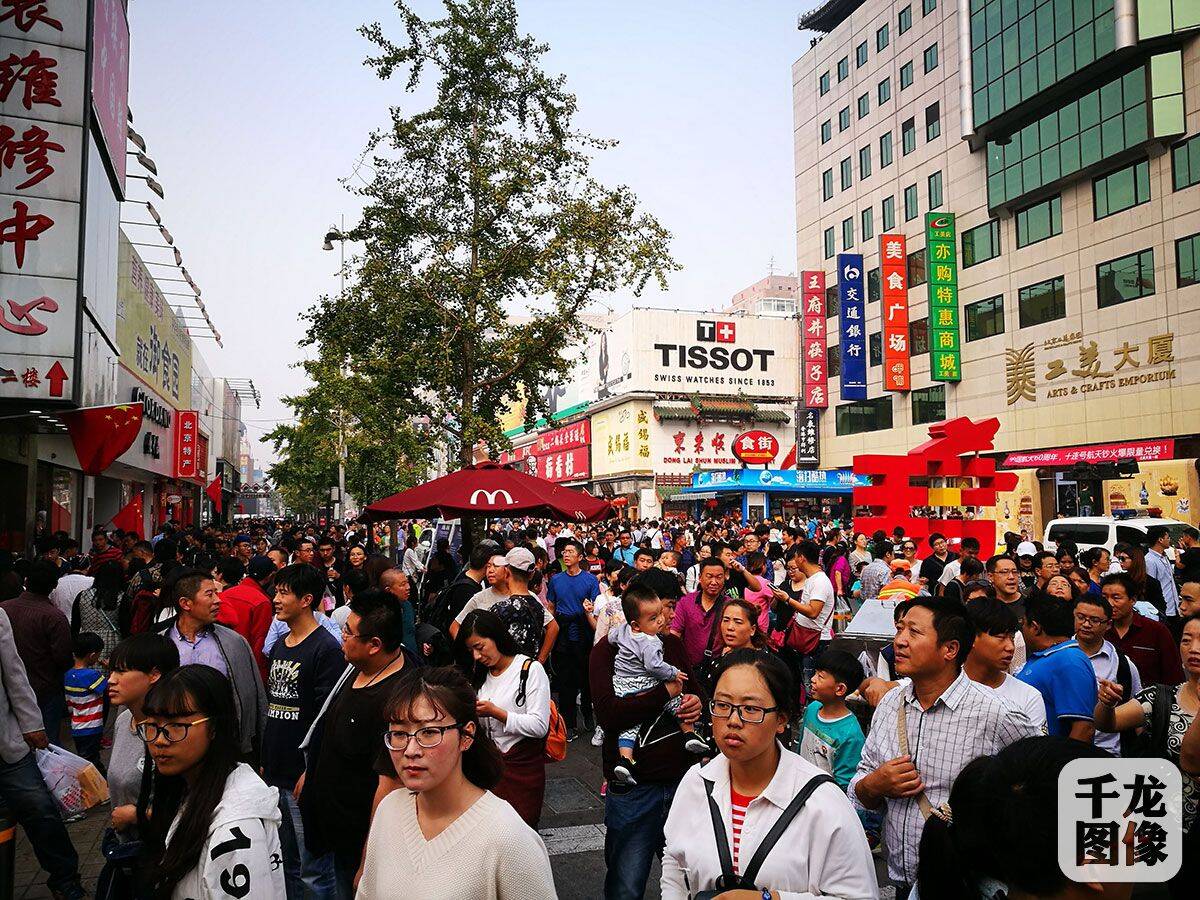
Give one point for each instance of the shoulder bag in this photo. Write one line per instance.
(556, 737)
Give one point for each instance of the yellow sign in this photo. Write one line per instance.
(1099, 370)
(621, 439)
(154, 343)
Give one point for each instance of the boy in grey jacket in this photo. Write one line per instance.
(639, 665)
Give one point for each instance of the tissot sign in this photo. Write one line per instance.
(679, 352)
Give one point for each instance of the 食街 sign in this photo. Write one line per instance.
(756, 447)
(945, 352)
(1126, 366)
(42, 70)
(893, 274)
(852, 321)
(813, 355)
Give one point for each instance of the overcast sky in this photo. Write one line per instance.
(255, 113)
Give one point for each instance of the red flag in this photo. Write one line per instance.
(131, 517)
(214, 493)
(102, 433)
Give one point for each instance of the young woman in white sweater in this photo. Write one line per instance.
(514, 709)
(445, 836)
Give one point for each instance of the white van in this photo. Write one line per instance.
(1105, 531)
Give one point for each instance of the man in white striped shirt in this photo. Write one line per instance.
(948, 721)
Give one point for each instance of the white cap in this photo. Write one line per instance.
(1027, 548)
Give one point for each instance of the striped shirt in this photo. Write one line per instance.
(85, 700)
(738, 803)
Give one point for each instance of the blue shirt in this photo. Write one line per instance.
(204, 651)
(567, 593)
(625, 554)
(835, 747)
(1064, 677)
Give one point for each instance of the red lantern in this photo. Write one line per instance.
(756, 447)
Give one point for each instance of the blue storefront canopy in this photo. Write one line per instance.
(789, 481)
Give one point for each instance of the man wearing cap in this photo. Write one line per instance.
(901, 587)
(1026, 551)
(246, 608)
(508, 584)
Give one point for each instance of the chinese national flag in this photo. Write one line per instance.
(131, 517)
(102, 433)
(214, 493)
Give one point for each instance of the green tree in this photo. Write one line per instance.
(483, 234)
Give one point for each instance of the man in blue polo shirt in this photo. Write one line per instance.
(1057, 667)
(570, 595)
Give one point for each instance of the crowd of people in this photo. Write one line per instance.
(305, 711)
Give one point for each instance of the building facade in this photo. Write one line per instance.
(775, 295)
(1060, 141)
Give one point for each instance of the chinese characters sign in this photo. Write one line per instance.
(154, 344)
(812, 341)
(893, 273)
(561, 454)
(945, 352)
(1142, 451)
(808, 439)
(1087, 369)
(188, 458)
(41, 167)
(565, 438)
(853, 324)
(755, 447)
(110, 80)
(621, 439)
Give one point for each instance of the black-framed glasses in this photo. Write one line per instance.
(174, 732)
(1090, 620)
(428, 737)
(749, 714)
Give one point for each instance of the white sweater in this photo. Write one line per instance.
(532, 719)
(488, 853)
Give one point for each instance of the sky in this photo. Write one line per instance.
(256, 115)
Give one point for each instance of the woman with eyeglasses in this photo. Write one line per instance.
(753, 784)
(1149, 600)
(514, 709)
(213, 828)
(447, 836)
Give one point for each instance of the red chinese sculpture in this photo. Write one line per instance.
(952, 452)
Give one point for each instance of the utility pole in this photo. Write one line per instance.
(339, 235)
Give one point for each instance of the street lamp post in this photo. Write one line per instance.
(339, 235)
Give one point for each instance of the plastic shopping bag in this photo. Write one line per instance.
(75, 783)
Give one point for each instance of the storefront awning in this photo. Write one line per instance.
(715, 409)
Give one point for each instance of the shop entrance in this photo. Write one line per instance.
(13, 509)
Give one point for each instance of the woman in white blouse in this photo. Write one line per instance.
(822, 851)
(514, 708)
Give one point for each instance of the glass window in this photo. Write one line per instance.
(915, 266)
(1039, 222)
(918, 337)
(1123, 189)
(824, 83)
(928, 6)
(827, 184)
(874, 284)
(985, 319)
(864, 105)
(931, 58)
(843, 118)
(929, 404)
(864, 162)
(935, 190)
(843, 69)
(910, 203)
(826, 131)
(904, 21)
(864, 416)
(885, 150)
(846, 174)
(888, 213)
(848, 233)
(830, 247)
(833, 356)
(981, 243)
(908, 136)
(1187, 261)
(1041, 302)
(1127, 278)
(906, 75)
(933, 121)
(868, 225)
(831, 297)
(860, 55)
(875, 349)
(881, 37)
(1185, 163)
(885, 91)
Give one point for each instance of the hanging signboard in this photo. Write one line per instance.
(190, 450)
(808, 439)
(852, 318)
(813, 359)
(945, 360)
(755, 447)
(893, 265)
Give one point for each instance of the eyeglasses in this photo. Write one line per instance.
(751, 715)
(174, 732)
(1089, 620)
(428, 737)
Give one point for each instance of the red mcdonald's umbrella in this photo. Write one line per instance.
(490, 489)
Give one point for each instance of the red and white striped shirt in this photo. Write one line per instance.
(738, 803)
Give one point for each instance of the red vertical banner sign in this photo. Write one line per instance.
(893, 275)
(814, 376)
(187, 444)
